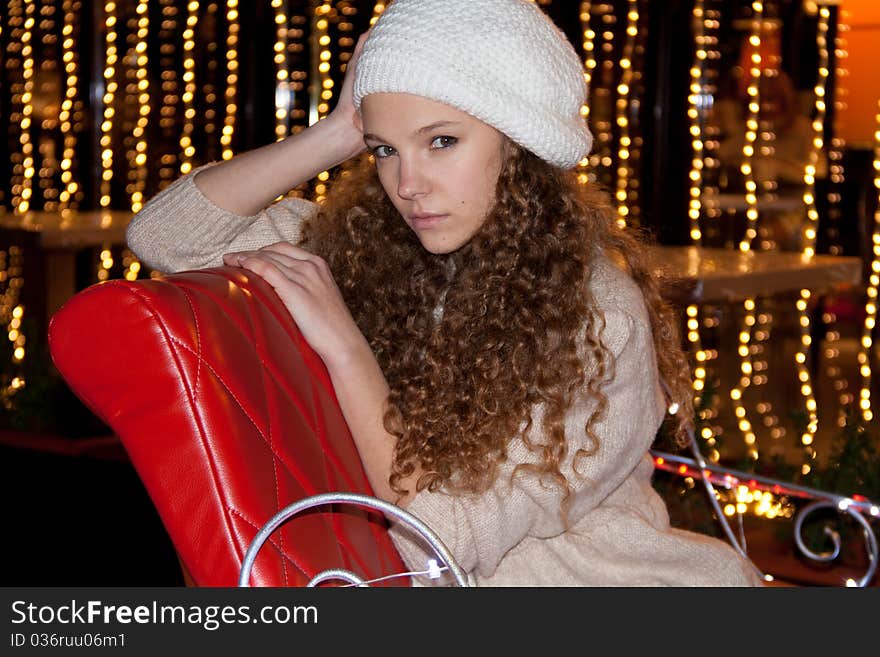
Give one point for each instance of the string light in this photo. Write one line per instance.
(761, 318)
(16, 87)
(588, 44)
(623, 106)
(695, 98)
(710, 208)
(870, 321)
(833, 370)
(12, 310)
(696, 131)
(11, 314)
(70, 107)
(745, 332)
(378, 8)
(208, 118)
(754, 105)
(809, 238)
(110, 86)
(699, 380)
(736, 393)
(139, 165)
(21, 201)
(320, 106)
(231, 94)
(602, 159)
(187, 148)
(282, 92)
(47, 170)
(170, 96)
(702, 189)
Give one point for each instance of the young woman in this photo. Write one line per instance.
(495, 340)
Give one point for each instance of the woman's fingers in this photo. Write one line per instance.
(282, 248)
(236, 258)
(290, 250)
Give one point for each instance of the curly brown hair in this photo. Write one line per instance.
(516, 306)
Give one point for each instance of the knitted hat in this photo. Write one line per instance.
(501, 61)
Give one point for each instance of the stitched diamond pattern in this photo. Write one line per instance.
(228, 417)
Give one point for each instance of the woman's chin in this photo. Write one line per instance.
(440, 246)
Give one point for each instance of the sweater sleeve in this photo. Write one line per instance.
(480, 529)
(180, 228)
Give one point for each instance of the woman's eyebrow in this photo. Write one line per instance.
(420, 131)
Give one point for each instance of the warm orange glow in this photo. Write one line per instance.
(861, 88)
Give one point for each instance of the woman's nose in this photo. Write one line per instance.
(413, 181)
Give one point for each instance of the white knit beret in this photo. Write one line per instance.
(501, 61)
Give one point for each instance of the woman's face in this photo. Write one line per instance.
(438, 165)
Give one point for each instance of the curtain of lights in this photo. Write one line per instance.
(107, 103)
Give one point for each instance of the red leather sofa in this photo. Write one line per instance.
(228, 417)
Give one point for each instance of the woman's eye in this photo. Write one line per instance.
(444, 141)
(380, 153)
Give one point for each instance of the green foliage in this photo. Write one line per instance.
(44, 404)
(854, 464)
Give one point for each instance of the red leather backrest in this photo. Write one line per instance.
(228, 416)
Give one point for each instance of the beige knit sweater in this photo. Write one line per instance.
(512, 535)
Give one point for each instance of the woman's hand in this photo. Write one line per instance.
(306, 287)
(344, 112)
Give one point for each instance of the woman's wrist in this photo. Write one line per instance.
(340, 138)
(349, 352)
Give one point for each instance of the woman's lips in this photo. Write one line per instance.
(427, 221)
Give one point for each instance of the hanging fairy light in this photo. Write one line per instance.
(11, 313)
(710, 208)
(187, 148)
(837, 144)
(695, 97)
(13, 63)
(70, 106)
(48, 166)
(745, 333)
(760, 315)
(21, 200)
(110, 86)
(11, 310)
(378, 8)
(139, 163)
(137, 160)
(695, 176)
(208, 95)
(170, 96)
(736, 393)
(754, 105)
(622, 106)
(602, 24)
(282, 95)
(231, 93)
(809, 238)
(589, 45)
(320, 105)
(870, 321)
(833, 369)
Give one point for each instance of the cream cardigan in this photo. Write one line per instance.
(513, 534)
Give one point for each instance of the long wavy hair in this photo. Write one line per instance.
(516, 307)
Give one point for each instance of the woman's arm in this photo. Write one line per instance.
(228, 206)
(249, 182)
(305, 284)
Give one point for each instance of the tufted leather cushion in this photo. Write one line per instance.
(228, 416)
